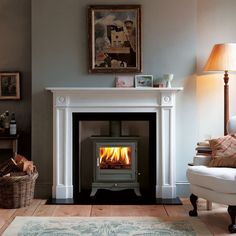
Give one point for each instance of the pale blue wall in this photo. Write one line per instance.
(59, 58)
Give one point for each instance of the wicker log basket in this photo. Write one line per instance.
(17, 191)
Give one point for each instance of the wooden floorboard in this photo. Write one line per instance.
(216, 220)
(128, 210)
(175, 211)
(72, 210)
(5, 216)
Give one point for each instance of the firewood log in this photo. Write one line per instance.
(24, 165)
(7, 167)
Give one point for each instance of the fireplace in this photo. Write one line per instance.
(70, 101)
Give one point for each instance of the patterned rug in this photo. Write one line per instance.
(105, 226)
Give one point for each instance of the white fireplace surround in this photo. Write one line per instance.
(66, 101)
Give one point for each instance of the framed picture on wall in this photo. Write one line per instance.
(9, 85)
(114, 33)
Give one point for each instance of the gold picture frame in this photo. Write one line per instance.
(9, 85)
(114, 33)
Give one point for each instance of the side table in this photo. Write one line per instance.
(9, 142)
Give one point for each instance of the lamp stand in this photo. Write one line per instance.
(226, 101)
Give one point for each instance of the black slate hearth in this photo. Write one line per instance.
(107, 197)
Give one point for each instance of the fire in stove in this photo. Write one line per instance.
(115, 157)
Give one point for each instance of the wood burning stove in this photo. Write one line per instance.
(115, 162)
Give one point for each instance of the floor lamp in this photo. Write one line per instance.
(223, 58)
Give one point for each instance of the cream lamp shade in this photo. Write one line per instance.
(222, 58)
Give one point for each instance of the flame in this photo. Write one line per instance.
(115, 155)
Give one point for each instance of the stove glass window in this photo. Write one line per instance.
(115, 157)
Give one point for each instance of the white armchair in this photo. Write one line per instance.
(215, 184)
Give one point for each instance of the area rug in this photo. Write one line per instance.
(105, 226)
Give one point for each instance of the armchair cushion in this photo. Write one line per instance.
(223, 151)
(221, 180)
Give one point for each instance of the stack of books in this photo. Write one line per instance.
(203, 148)
(203, 154)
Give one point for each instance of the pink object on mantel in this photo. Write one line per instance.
(124, 81)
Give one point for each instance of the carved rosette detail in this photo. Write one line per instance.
(167, 100)
(61, 101)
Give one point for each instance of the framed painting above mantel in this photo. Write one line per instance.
(114, 33)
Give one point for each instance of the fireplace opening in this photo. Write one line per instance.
(114, 151)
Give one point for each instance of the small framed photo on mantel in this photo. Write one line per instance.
(9, 85)
(143, 81)
(124, 81)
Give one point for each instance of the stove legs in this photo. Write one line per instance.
(115, 187)
(93, 192)
(137, 192)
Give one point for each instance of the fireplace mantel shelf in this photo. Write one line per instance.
(112, 89)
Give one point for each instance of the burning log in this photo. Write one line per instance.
(115, 157)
